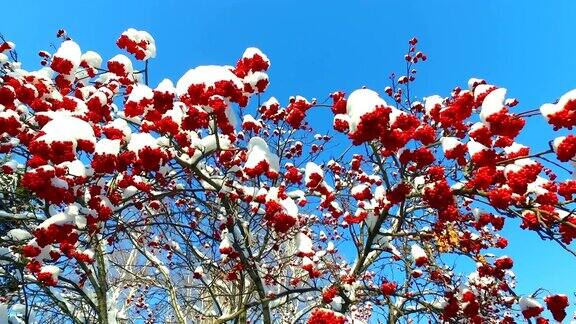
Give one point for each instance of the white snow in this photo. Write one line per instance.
(209, 143)
(122, 125)
(89, 253)
(140, 35)
(161, 268)
(11, 46)
(450, 143)
(475, 147)
(129, 191)
(176, 113)
(254, 77)
(271, 102)
(288, 204)
(12, 164)
(514, 148)
(557, 142)
(342, 118)
(124, 61)
(431, 102)
(258, 151)
(550, 109)
(476, 126)
(330, 247)
(225, 244)
(417, 252)
(524, 162)
(18, 234)
(18, 309)
(296, 194)
(69, 51)
(307, 262)
(59, 183)
(100, 96)
(52, 269)
(480, 89)
(249, 119)
(370, 220)
(312, 168)
(67, 129)
(140, 92)
(304, 244)
(8, 114)
(528, 302)
(493, 103)
(474, 81)
(140, 140)
(207, 75)
(166, 86)
(93, 59)
(251, 51)
(361, 102)
(60, 218)
(107, 146)
(75, 168)
(358, 189)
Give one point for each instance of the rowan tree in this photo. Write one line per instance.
(208, 200)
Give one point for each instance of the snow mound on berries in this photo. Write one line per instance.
(361, 102)
(53, 270)
(92, 59)
(449, 143)
(258, 152)
(141, 92)
(69, 52)
(287, 203)
(549, 109)
(107, 146)
(493, 103)
(71, 215)
(75, 168)
(142, 37)
(431, 102)
(303, 244)
(527, 303)
(253, 51)
(207, 75)
(65, 128)
(417, 252)
(140, 140)
(312, 168)
(165, 86)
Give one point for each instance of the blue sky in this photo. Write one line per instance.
(322, 46)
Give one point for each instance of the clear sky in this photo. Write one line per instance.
(317, 47)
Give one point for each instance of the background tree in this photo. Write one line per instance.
(210, 201)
